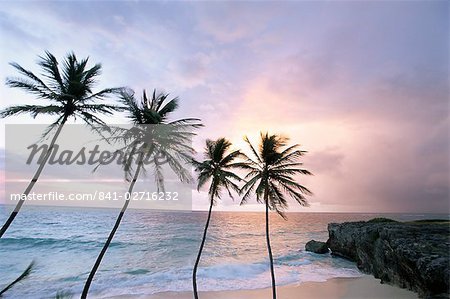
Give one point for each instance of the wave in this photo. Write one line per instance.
(291, 268)
(157, 254)
(232, 271)
(52, 243)
(138, 272)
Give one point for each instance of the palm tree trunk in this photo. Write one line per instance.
(111, 234)
(194, 274)
(33, 180)
(269, 249)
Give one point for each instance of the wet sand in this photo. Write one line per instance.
(365, 287)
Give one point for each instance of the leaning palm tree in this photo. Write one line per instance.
(217, 168)
(152, 138)
(270, 177)
(68, 92)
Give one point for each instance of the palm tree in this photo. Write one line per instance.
(270, 177)
(151, 138)
(68, 92)
(217, 168)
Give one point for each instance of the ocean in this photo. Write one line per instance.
(154, 251)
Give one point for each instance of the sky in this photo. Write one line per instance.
(361, 85)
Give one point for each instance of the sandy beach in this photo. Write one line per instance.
(365, 287)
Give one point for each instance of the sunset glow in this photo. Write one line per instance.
(362, 86)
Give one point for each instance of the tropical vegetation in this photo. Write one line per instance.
(66, 92)
(154, 139)
(151, 137)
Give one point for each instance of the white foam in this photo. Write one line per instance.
(235, 276)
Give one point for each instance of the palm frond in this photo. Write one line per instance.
(35, 80)
(249, 187)
(171, 106)
(271, 176)
(33, 110)
(202, 179)
(99, 108)
(58, 122)
(49, 64)
(102, 94)
(226, 161)
(217, 168)
(289, 158)
(291, 171)
(30, 87)
(89, 76)
(255, 153)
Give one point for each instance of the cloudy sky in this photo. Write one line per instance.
(362, 86)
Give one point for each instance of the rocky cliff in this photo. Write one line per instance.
(413, 255)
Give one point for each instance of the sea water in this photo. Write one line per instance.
(154, 251)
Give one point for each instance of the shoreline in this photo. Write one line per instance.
(364, 287)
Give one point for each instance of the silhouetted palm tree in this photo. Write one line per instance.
(163, 139)
(217, 168)
(270, 177)
(68, 92)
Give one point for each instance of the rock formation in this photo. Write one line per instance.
(317, 247)
(412, 255)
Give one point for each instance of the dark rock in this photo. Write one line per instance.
(413, 255)
(317, 247)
